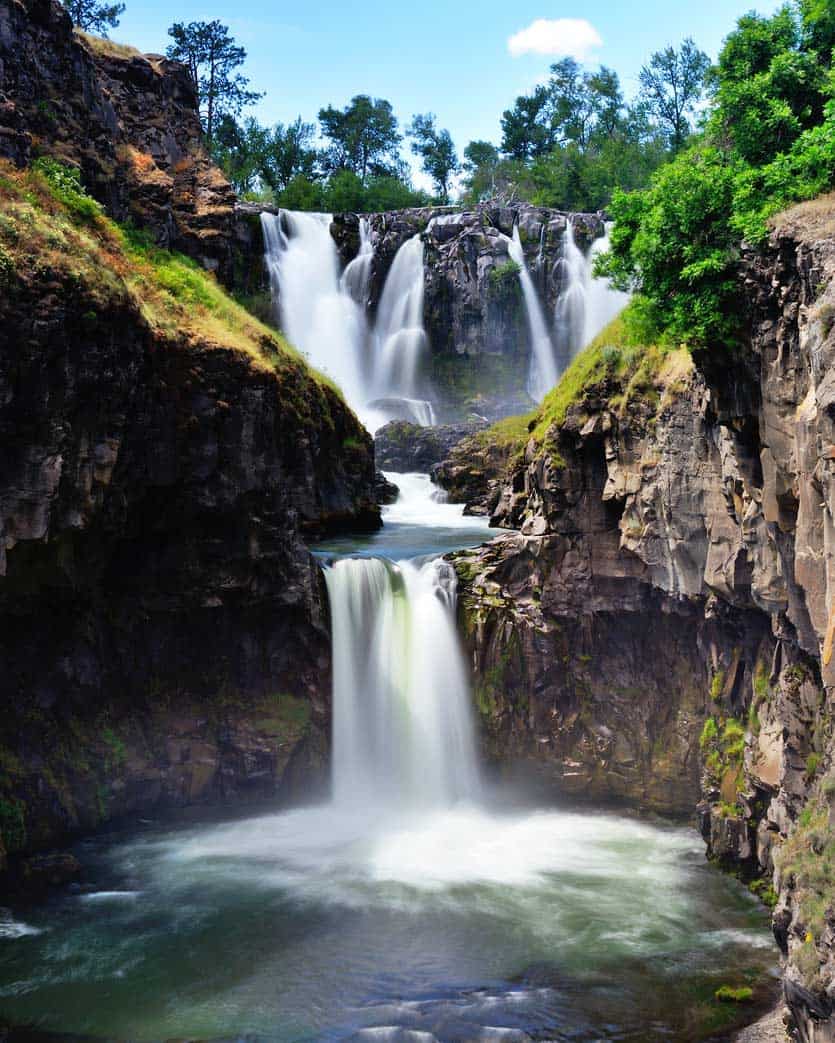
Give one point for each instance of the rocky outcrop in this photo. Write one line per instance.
(404, 447)
(163, 628)
(127, 120)
(675, 543)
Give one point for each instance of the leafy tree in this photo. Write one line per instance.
(364, 138)
(672, 85)
(436, 150)
(238, 150)
(212, 57)
(525, 127)
(93, 16)
(287, 153)
(481, 161)
(768, 142)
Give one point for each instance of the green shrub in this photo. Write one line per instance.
(710, 731)
(65, 184)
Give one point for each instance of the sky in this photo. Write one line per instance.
(466, 61)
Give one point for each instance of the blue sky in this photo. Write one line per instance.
(450, 58)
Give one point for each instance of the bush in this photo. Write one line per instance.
(65, 184)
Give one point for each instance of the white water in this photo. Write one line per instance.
(586, 304)
(542, 372)
(570, 308)
(401, 344)
(319, 318)
(402, 728)
(324, 315)
(603, 303)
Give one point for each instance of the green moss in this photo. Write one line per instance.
(730, 994)
(812, 762)
(284, 714)
(717, 684)
(709, 732)
(764, 890)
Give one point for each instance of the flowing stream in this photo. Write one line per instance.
(420, 903)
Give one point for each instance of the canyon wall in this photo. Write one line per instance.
(659, 627)
(164, 460)
(128, 121)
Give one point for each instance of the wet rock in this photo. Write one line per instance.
(406, 448)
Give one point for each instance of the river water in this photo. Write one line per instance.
(419, 903)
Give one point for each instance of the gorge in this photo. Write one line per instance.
(379, 613)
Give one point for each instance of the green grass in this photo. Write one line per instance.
(729, 994)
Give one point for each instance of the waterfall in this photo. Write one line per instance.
(318, 316)
(570, 308)
(357, 274)
(399, 333)
(324, 315)
(585, 305)
(402, 728)
(542, 372)
(603, 303)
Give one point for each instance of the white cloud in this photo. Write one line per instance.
(556, 37)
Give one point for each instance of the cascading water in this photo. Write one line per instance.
(399, 333)
(402, 731)
(325, 316)
(318, 316)
(570, 308)
(603, 302)
(542, 373)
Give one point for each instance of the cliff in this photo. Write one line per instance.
(659, 628)
(127, 121)
(163, 628)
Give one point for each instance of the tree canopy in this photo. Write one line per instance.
(213, 59)
(93, 16)
(769, 140)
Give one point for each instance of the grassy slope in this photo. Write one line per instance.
(48, 228)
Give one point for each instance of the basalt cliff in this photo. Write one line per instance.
(164, 459)
(657, 628)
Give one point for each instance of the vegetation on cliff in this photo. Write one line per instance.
(49, 225)
(769, 141)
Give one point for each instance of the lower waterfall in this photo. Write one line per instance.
(402, 727)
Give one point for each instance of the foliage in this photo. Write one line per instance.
(769, 141)
(363, 138)
(213, 60)
(436, 150)
(730, 994)
(65, 184)
(710, 730)
(568, 144)
(94, 16)
(671, 86)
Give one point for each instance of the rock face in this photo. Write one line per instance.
(163, 461)
(163, 628)
(128, 121)
(660, 628)
(404, 447)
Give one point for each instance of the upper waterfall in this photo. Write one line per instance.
(319, 317)
(324, 314)
(542, 370)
